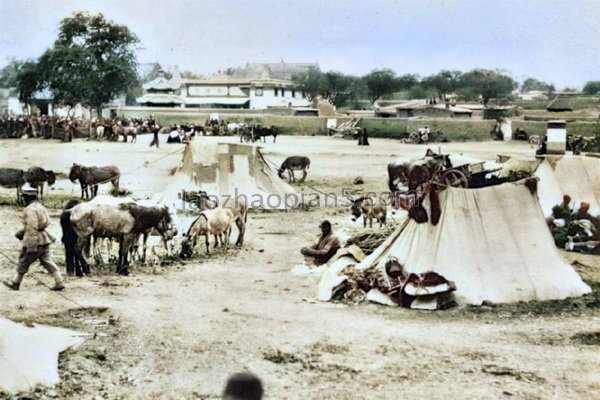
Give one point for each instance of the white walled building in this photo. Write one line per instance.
(251, 88)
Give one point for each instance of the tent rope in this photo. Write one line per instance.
(43, 284)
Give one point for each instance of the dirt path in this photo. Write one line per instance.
(180, 330)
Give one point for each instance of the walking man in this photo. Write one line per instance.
(155, 129)
(35, 242)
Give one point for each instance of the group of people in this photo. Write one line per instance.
(575, 229)
(40, 126)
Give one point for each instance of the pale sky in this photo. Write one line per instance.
(551, 40)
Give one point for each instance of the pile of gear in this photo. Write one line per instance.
(388, 284)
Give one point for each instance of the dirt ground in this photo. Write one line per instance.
(179, 330)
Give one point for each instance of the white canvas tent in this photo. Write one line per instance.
(491, 242)
(577, 176)
(29, 356)
(228, 170)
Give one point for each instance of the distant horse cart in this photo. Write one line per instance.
(417, 176)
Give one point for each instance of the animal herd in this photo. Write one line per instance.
(36, 177)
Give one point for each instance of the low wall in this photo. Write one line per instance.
(456, 130)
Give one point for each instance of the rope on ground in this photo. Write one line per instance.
(348, 202)
(136, 168)
(43, 284)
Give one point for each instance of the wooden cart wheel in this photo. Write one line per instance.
(455, 178)
(414, 137)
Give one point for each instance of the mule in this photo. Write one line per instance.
(36, 177)
(91, 177)
(13, 178)
(126, 222)
(294, 163)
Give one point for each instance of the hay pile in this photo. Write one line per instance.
(368, 239)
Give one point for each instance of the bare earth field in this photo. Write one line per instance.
(177, 331)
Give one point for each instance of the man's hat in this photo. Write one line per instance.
(29, 194)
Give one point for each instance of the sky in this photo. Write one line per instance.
(551, 40)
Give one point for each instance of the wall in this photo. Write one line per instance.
(454, 129)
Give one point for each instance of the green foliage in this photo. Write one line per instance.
(592, 87)
(534, 84)
(27, 81)
(444, 82)
(380, 82)
(487, 84)
(8, 74)
(342, 89)
(91, 62)
(312, 83)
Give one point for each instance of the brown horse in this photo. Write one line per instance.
(91, 177)
(415, 172)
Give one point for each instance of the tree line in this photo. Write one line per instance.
(478, 84)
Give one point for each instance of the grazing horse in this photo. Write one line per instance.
(13, 178)
(126, 222)
(36, 177)
(415, 172)
(294, 163)
(94, 176)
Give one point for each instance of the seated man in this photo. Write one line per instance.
(562, 210)
(583, 213)
(325, 248)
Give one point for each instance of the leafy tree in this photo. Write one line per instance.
(8, 74)
(27, 81)
(487, 84)
(380, 82)
(444, 82)
(591, 87)
(312, 82)
(339, 88)
(91, 62)
(534, 84)
(406, 82)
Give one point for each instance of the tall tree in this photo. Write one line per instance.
(444, 82)
(92, 61)
(487, 84)
(28, 81)
(379, 83)
(339, 88)
(9, 74)
(592, 87)
(534, 84)
(312, 82)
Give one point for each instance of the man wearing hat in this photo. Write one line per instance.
(35, 242)
(583, 212)
(563, 210)
(325, 248)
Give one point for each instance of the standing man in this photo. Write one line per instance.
(325, 248)
(155, 129)
(35, 242)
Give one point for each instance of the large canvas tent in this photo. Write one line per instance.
(227, 171)
(491, 242)
(577, 176)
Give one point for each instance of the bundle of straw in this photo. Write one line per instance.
(368, 239)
